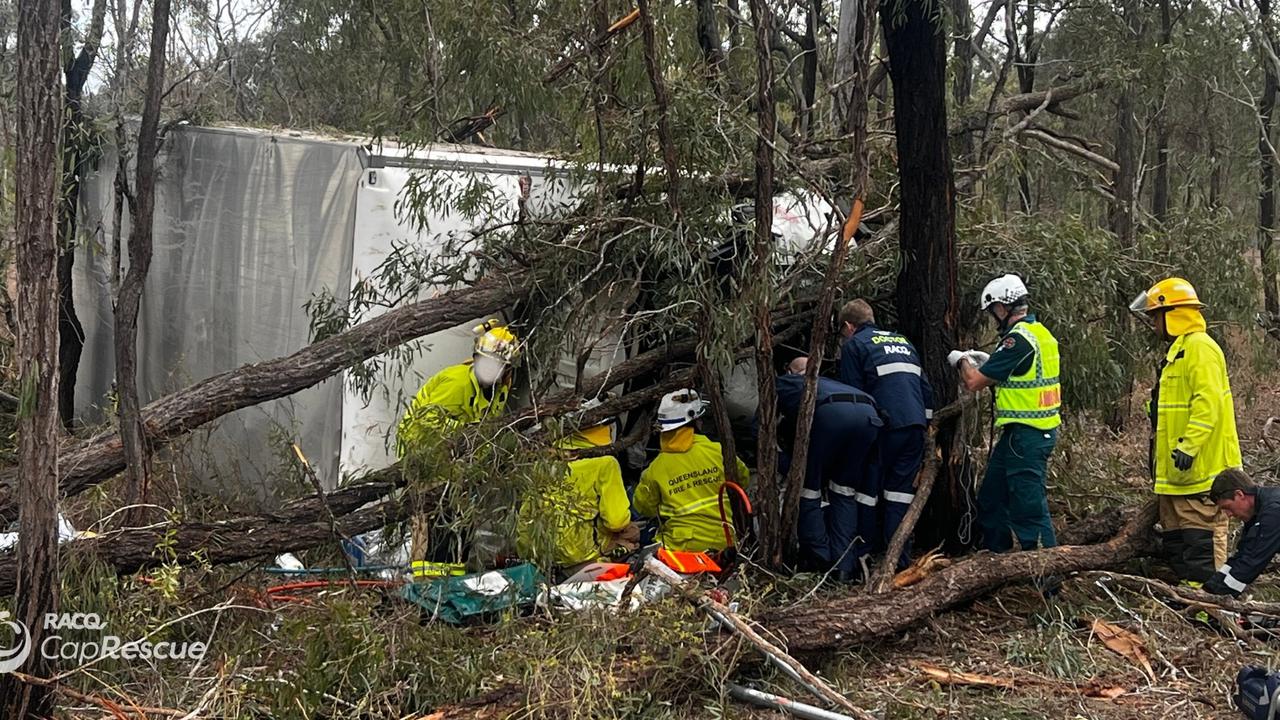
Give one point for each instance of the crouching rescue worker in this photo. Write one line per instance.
(842, 444)
(458, 395)
(886, 365)
(584, 515)
(1193, 426)
(1023, 371)
(1259, 509)
(682, 486)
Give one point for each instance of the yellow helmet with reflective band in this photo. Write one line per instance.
(495, 340)
(1168, 293)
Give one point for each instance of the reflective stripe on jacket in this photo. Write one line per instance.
(1033, 398)
(886, 365)
(1259, 542)
(682, 490)
(1194, 413)
(451, 398)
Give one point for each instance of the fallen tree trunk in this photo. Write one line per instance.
(299, 525)
(838, 623)
(88, 463)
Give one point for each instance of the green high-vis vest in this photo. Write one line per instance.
(1034, 397)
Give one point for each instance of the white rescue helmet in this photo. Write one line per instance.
(679, 408)
(1006, 289)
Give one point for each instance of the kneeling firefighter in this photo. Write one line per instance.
(684, 485)
(585, 514)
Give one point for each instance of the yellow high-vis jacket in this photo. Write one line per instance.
(681, 487)
(1193, 413)
(451, 398)
(576, 516)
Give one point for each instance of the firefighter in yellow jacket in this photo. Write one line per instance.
(464, 393)
(458, 395)
(1194, 431)
(584, 514)
(681, 487)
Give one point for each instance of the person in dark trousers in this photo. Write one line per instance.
(1259, 509)
(886, 365)
(841, 456)
(1023, 370)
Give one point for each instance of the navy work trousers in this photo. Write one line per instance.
(901, 452)
(842, 448)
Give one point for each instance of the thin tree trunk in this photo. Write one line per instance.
(1026, 66)
(1267, 173)
(128, 302)
(75, 149)
(773, 533)
(826, 297)
(708, 29)
(846, 61)
(39, 105)
(809, 69)
(1160, 192)
(926, 288)
(962, 81)
(653, 67)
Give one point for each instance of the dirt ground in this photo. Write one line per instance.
(1031, 658)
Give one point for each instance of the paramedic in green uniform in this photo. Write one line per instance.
(1023, 370)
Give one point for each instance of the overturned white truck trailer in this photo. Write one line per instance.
(250, 225)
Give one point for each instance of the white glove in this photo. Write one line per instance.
(954, 357)
(977, 358)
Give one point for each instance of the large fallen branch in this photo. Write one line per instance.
(840, 622)
(299, 525)
(1026, 102)
(90, 462)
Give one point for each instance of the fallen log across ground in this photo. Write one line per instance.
(841, 622)
(299, 525)
(87, 463)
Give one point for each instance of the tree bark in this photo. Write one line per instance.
(1025, 102)
(826, 297)
(75, 148)
(301, 524)
(1160, 191)
(128, 302)
(809, 69)
(708, 30)
(841, 622)
(773, 533)
(90, 462)
(846, 61)
(1267, 172)
(39, 108)
(653, 67)
(926, 289)
(1025, 57)
(962, 81)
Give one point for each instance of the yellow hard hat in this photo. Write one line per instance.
(1168, 293)
(495, 340)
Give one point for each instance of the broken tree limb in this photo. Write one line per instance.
(732, 622)
(1067, 146)
(88, 463)
(566, 64)
(1026, 102)
(298, 525)
(882, 580)
(841, 622)
(1190, 596)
